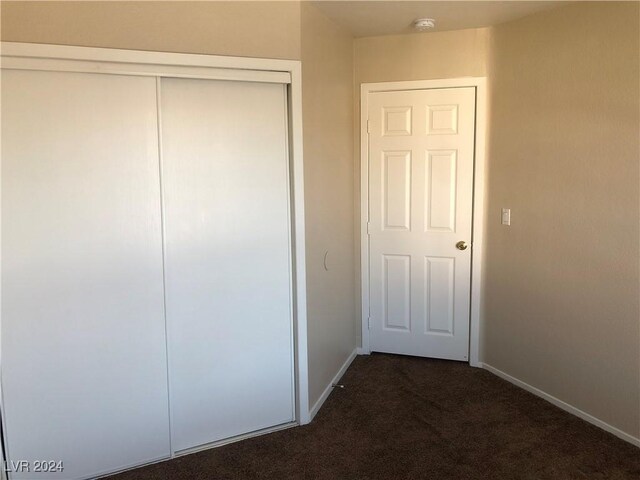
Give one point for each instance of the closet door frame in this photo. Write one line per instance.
(45, 57)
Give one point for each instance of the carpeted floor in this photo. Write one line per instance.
(413, 418)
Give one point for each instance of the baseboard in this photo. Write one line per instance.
(327, 391)
(563, 405)
(361, 351)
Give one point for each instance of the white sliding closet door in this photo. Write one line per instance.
(83, 334)
(228, 266)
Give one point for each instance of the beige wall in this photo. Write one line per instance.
(562, 282)
(251, 29)
(389, 58)
(327, 85)
(461, 53)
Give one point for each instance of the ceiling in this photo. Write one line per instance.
(366, 18)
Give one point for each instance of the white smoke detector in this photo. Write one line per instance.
(423, 24)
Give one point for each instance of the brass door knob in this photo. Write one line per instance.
(461, 245)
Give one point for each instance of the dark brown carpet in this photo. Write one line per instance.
(412, 418)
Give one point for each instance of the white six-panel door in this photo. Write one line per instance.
(228, 266)
(421, 145)
(83, 335)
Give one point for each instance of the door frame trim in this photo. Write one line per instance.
(35, 56)
(479, 200)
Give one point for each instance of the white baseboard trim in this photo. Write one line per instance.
(563, 405)
(327, 391)
(361, 351)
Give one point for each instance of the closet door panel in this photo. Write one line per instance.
(226, 196)
(83, 334)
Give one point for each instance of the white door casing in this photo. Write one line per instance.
(421, 153)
